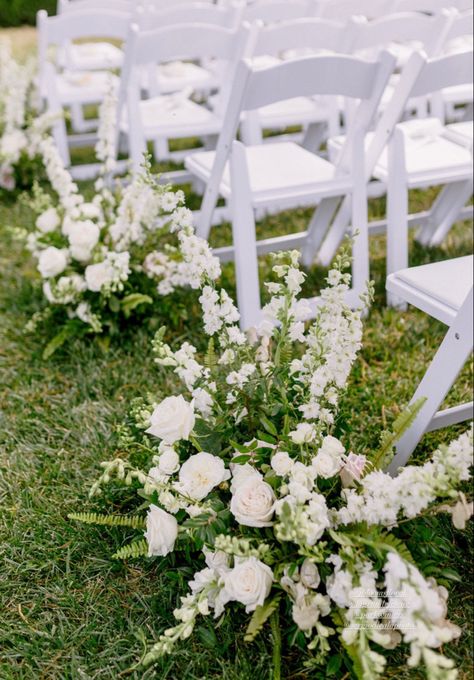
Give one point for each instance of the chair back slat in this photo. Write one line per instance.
(83, 24)
(449, 71)
(271, 11)
(322, 34)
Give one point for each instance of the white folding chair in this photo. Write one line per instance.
(74, 89)
(266, 45)
(342, 10)
(182, 75)
(444, 290)
(175, 116)
(431, 158)
(456, 103)
(426, 157)
(272, 11)
(284, 175)
(97, 55)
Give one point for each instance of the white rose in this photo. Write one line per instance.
(168, 462)
(83, 236)
(200, 474)
(325, 465)
(281, 463)
(304, 433)
(218, 560)
(172, 420)
(253, 502)
(309, 574)
(48, 221)
(333, 446)
(249, 582)
(51, 262)
(161, 531)
(98, 276)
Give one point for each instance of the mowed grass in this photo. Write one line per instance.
(70, 612)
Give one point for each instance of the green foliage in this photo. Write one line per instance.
(132, 550)
(260, 617)
(108, 520)
(18, 12)
(389, 438)
(134, 300)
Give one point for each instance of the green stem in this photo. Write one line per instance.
(276, 634)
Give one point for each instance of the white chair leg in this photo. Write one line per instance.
(438, 379)
(360, 221)
(314, 136)
(59, 133)
(444, 213)
(161, 149)
(245, 243)
(397, 212)
(317, 230)
(77, 118)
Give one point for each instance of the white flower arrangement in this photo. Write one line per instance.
(104, 258)
(248, 477)
(21, 126)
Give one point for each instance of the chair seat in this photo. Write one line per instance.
(439, 288)
(461, 133)
(430, 153)
(175, 115)
(93, 56)
(459, 94)
(281, 171)
(85, 87)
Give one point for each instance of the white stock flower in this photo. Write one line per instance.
(172, 420)
(203, 401)
(303, 434)
(332, 446)
(248, 583)
(51, 262)
(200, 474)
(161, 531)
(253, 502)
(307, 610)
(309, 574)
(168, 461)
(48, 221)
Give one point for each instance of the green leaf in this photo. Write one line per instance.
(64, 334)
(268, 425)
(260, 616)
(334, 664)
(134, 300)
(239, 460)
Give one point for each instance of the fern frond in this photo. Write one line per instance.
(132, 550)
(389, 541)
(109, 520)
(210, 358)
(260, 617)
(389, 438)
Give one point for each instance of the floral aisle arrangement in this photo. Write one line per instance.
(247, 483)
(21, 128)
(103, 259)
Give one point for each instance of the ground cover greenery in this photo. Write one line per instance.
(69, 612)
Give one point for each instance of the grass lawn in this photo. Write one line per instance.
(67, 611)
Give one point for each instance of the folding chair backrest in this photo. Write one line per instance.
(314, 33)
(428, 30)
(271, 11)
(65, 6)
(55, 31)
(431, 6)
(341, 10)
(461, 26)
(442, 72)
(159, 5)
(315, 75)
(192, 12)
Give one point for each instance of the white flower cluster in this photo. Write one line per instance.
(382, 499)
(18, 135)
